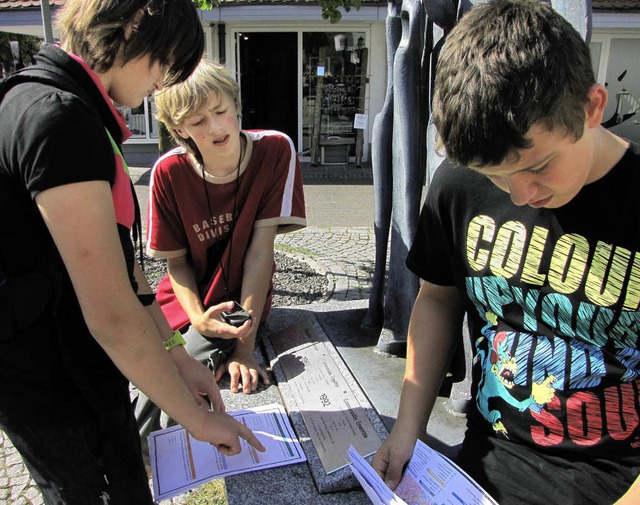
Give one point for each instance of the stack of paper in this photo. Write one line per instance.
(429, 478)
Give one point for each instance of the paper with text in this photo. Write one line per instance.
(180, 463)
(429, 479)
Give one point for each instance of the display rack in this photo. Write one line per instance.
(338, 98)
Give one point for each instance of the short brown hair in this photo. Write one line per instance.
(507, 65)
(169, 31)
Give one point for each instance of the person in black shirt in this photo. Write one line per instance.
(72, 297)
(531, 228)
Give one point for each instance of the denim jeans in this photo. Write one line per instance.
(84, 463)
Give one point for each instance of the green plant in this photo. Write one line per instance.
(211, 493)
(301, 250)
(29, 46)
(330, 8)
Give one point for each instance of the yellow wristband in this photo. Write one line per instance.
(174, 340)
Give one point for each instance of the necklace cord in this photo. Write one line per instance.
(233, 224)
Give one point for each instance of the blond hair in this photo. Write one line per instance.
(176, 103)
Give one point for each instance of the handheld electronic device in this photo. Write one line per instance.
(236, 316)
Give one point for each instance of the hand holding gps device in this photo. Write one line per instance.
(236, 316)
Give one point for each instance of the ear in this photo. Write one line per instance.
(132, 26)
(594, 109)
(182, 133)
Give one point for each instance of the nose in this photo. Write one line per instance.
(213, 123)
(159, 84)
(521, 188)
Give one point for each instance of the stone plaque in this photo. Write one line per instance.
(331, 411)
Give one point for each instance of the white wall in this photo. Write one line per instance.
(615, 57)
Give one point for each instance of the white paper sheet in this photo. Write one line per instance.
(430, 478)
(180, 463)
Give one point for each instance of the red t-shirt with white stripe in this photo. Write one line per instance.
(269, 192)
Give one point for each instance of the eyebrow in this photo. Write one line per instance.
(528, 168)
(197, 112)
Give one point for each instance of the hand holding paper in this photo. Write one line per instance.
(391, 458)
(429, 478)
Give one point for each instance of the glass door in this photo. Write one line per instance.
(334, 91)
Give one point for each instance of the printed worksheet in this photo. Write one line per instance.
(180, 463)
(429, 479)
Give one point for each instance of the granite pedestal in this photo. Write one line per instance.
(376, 380)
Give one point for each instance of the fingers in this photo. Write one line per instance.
(248, 375)
(222, 369)
(228, 434)
(230, 450)
(380, 463)
(215, 400)
(249, 379)
(215, 310)
(251, 439)
(265, 376)
(389, 463)
(203, 401)
(394, 473)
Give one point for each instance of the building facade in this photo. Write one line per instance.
(323, 83)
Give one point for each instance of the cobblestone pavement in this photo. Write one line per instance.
(345, 255)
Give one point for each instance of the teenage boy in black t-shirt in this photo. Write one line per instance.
(532, 228)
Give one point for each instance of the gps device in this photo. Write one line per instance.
(236, 316)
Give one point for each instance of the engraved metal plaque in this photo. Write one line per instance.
(331, 411)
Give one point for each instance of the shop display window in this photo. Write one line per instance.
(614, 58)
(334, 92)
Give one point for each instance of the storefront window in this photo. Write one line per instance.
(142, 120)
(334, 91)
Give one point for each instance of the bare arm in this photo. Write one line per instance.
(206, 321)
(258, 265)
(198, 378)
(81, 220)
(434, 330)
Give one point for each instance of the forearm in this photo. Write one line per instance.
(111, 310)
(134, 343)
(185, 287)
(257, 277)
(434, 331)
(153, 309)
(178, 353)
(257, 273)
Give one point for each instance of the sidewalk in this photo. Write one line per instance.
(345, 255)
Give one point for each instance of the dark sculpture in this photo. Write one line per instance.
(399, 159)
(404, 155)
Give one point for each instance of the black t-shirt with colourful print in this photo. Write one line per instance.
(553, 301)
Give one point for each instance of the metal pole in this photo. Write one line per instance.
(46, 21)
